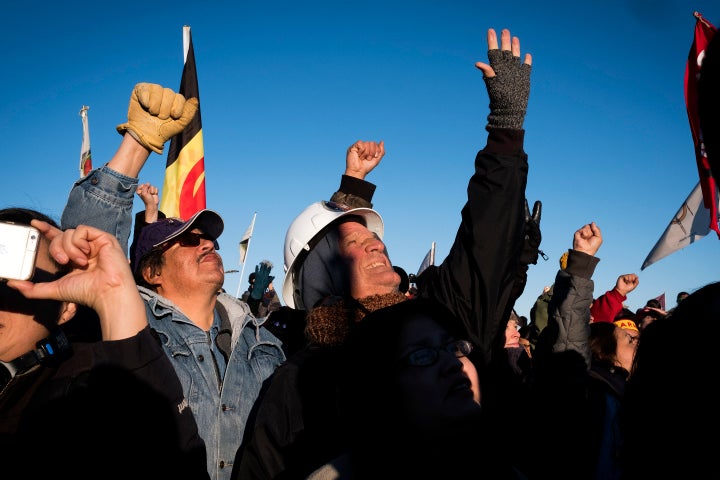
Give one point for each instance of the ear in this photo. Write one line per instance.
(150, 277)
(67, 312)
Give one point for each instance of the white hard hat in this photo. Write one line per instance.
(308, 227)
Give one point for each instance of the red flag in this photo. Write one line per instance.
(183, 192)
(661, 300)
(704, 31)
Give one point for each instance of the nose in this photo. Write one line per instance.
(206, 244)
(374, 244)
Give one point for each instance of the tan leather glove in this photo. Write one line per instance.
(157, 114)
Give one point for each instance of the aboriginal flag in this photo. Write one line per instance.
(183, 192)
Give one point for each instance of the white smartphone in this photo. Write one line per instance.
(18, 250)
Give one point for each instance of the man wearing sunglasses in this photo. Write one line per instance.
(75, 408)
(220, 351)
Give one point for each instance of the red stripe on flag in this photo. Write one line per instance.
(704, 31)
(192, 196)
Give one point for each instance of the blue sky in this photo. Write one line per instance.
(286, 87)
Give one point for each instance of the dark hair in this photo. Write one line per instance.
(654, 303)
(603, 344)
(23, 216)
(154, 260)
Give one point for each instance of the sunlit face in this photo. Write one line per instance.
(440, 393)
(626, 346)
(19, 330)
(512, 334)
(371, 272)
(189, 269)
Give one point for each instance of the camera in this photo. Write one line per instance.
(18, 250)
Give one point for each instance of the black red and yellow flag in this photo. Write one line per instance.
(183, 192)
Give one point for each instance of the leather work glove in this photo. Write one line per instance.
(262, 279)
(156, 114)
(508, 90)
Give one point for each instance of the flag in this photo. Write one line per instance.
(85, 156)
(428, 260)
(704, 31)
(690, 224)
(661, 299)
(183, 192)
(245, 240)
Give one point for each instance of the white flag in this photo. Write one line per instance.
(690, 224)
(428, 260)
(245, 240)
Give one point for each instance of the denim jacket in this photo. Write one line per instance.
(221, 406)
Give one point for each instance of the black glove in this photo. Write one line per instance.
(508, 90)
(530, 251)
(533, 237)
(262, 279)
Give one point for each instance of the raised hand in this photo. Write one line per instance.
(363, 157)
(148, 193)
(99, 278)
(627, 283)
(156, 114)
(587, 239)
(507, 81)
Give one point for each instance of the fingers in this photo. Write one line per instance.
(505, 42)
(72, 245)
(537, 211)
(492, 39)
(146, 190)
(367, 150)
(167, 104)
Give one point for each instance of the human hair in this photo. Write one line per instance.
(154, 260)
(23, 216)
(603, 344)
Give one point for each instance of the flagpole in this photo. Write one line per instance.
(242, 271)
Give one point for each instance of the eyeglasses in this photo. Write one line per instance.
(631, 338)
(190, 239)
(424, 357)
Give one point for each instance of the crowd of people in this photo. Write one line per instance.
(123, 355)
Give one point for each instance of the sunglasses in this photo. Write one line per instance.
(12, 300)
(190, 239)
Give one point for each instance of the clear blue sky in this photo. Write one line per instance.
(287, 86)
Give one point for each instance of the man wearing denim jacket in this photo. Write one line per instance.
(221, 353)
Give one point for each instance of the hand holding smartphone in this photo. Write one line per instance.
(18, 250)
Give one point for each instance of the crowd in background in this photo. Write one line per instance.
(122, 355)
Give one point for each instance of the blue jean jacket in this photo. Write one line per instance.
(221, 405)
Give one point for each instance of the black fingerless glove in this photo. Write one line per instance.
(508, 90)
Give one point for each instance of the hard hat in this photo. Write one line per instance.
(310, 226)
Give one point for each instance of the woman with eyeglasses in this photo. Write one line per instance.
(410, 397)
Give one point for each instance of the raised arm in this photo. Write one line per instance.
(104, 198)
(360, 159)
(99, 278)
